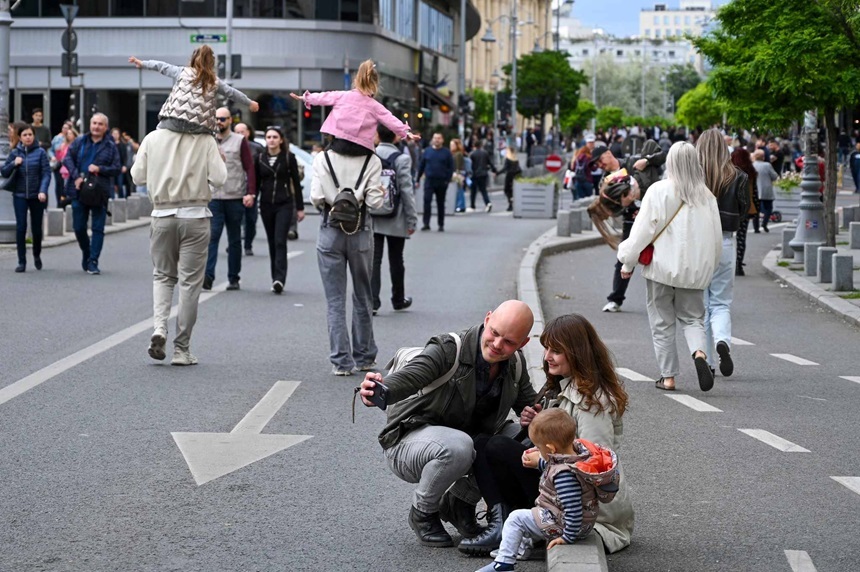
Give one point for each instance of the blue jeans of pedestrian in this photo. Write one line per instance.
(583, 189)
(36, 208)
(226, 213)
(718, 300)
(460, 204)
(91, 249)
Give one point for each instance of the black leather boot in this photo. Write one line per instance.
(429, 529)
(490, 539)
(461, 514)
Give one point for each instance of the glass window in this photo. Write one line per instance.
(648, 32)
(26, 9)
(656, 20)
(126, 8)
(619, 53)
(300, 9)
(386, 14)
(405, 14)
(206, 8)
(637, 52)
(665, 20)
(328, 10)
(656, 33)
(686, 20)
(162, 8)
(94, 8)
(50, 8)
(436, 30)
(678, 32)
(677, 20)
(585, 52)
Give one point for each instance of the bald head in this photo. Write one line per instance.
(506, 329)
(223, 119)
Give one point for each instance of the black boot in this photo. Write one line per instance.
(429, 529)
(490, 539)
(461, 514)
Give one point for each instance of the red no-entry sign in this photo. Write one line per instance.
(553, 163)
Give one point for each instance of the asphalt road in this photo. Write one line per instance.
(707, 496)
(93, 480)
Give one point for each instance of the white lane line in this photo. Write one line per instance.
(774, 441)
(799, 561)
(812, 398)
(502, 214)
(694, 403)
(740, 342)
(851, 483)
(854, 378)
(631, 375)
(794, 359)
(295, 253)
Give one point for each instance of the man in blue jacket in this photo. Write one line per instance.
(91, 158)
(437, 167)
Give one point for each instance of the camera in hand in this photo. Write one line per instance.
(380, 395)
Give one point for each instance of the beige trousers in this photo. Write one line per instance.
(667, 306)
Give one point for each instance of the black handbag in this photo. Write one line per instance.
(90, 194)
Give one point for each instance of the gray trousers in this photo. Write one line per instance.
(666, 306)
(337, 251)
(520, 523)
(179, 248)
(436, 458)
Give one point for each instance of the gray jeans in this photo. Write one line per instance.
(179, 247)
(436, 458)
(337, 251)
(666, 306)
(519, 523)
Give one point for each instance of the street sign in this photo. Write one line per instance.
(69, 12)
(69, 64)
(208, 38)
(553, 163)
(69, 40)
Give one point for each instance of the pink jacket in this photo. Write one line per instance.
(354, 116)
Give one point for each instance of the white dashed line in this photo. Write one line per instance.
(851, 483)
(854, 378)
(740, 342)
(694, 403)
(631, 375)
(774, 441)
(794, 359)
(799, 561)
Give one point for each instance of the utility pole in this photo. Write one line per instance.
(7, 211)
(594, 84)
(461, 74)
(644, 60)
(514, 69)
(228, 60)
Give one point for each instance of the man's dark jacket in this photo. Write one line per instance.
(452, 404)
(106, 159)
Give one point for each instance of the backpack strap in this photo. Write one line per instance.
(331, 170)
(449, 374)
(361, 174)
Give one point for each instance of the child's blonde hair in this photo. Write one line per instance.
(203, 64)
(366, 78)
(553, 426)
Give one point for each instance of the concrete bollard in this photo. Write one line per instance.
(825, 264)
(56, 222)
(120, 210)
(145, 205)
(848, 216)
(787, 236)
(843, 272)
(854, 235)
(69, 219)
(584, 219)
(109, 217)
(575, 221)
(810, 257)
(133, 209)
(562, 223)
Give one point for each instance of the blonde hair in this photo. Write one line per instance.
(758, 154)
(685, 172)
(366, 79)
(553, 426)
(716, 162)
(458, 146)
(203, 64)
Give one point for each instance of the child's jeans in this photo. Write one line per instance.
(520, 522)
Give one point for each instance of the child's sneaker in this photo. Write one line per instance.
(496, 567)
(529, 550)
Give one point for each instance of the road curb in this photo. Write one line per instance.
(69, 237)
(810, 290)
(589, 554)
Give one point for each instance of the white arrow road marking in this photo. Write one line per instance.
(631, 375)
(794, 359)
(855, 379)
(213, 455)
(774, 441)
(740, 342)
(694, 403)
(799, 561)
(851, 483)
(294, 253)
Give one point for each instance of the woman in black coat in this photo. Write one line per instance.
(278, 189)
(511, 169)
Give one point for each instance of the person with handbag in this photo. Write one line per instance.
(679, 219)
(28, 175)
(92, 162)
(742, 159)
(278, 190)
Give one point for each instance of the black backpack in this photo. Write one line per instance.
(391, 201)
(346, 209)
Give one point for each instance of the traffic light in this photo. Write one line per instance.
(307, 114)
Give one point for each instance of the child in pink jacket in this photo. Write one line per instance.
(355, 113)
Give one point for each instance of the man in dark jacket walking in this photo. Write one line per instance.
(481, 167)
(437, 168)
(91, 158)
(428, 439)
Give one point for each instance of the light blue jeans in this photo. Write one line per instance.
(718, 299)
(519, 523)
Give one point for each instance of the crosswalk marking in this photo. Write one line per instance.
(740, 342)
(694, 403)
(631, 375)
(799, 561)
(851, 483)
(774, 441)
(794, 359)
(854, 378)
(504, 213)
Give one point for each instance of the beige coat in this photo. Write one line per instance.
(615, 520)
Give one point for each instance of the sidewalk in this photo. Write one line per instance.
(69, 236)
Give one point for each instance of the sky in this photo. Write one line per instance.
(618, 17)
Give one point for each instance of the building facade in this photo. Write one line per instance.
(656, 53)
(690, 18)
(285, 46)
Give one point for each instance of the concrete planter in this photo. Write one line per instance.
(535, 200)
(787, 203)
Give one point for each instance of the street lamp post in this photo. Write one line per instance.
(461, 73)
(489, 37)
(594, 83)
(7, 211)
(810, 220)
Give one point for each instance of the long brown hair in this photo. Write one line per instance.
(367, 78)
(742, 160)
(606, 206)
(203, 64)
(590, 362)
(714, 157)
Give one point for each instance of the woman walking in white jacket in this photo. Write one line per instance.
(679, 216)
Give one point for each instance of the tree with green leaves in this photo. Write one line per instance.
(620, 85)
(543, 78)
(699, 108)
(576, 120)
(773, 61)
(610, 116)
(483, 105)
(680, 79)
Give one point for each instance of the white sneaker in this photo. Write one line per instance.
(488, 208)
(341, 372)
(612, 307)
(183, 357)
(470, 210)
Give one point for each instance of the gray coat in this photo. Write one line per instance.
(765, 179)
(405, 219)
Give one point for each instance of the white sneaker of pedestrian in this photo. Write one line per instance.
(156, 346)
(277, 287)
(612, 307)
(367, 367)
(488, 208)
(470, 210)
(341, 372)
(183, 357)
